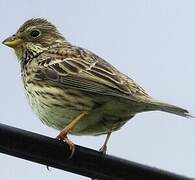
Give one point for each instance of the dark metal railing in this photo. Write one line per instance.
(86, 162)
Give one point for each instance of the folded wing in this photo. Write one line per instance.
(81, 69)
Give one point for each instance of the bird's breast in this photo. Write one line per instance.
(55, 106)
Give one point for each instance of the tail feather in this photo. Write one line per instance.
(171, 109)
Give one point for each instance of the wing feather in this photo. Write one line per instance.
(79, 68)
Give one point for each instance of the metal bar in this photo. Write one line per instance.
(54, 153)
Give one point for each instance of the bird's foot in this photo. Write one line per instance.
(103, 149)
(63, 137)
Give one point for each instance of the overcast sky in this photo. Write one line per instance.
(151, 41)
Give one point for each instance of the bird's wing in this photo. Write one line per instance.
(79, 68)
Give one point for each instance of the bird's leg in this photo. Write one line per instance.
(103, 149)
(63, 134)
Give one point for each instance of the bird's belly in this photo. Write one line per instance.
(56, 107)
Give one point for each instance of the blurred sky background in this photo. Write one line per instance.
(152, 41)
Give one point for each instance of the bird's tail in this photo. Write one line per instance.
(157, 105)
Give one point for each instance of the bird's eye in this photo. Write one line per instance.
(35, 33)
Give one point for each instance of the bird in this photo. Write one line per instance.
(72, 89)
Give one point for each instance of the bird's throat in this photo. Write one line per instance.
(19, 52)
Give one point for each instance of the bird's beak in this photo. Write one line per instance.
(12, 41)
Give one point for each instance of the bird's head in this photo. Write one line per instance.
(35, 35)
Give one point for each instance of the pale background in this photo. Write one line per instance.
(151, 41)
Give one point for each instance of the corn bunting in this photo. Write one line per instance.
(74, 90)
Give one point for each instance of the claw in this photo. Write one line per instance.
(71, 146)
(48, 168)
(63, 137)
(103, 149)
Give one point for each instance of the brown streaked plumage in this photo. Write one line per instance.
(72, 89)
